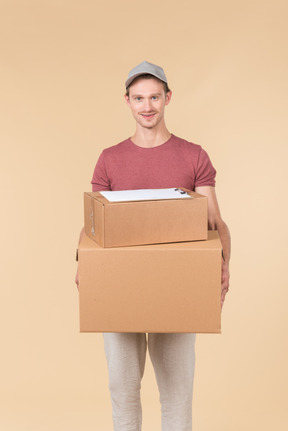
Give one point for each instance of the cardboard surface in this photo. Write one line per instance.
(116, 224)
(155, 288)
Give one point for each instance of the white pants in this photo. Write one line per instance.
(173, 359)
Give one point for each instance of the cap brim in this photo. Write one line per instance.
(129, 80)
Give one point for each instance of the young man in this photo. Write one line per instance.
(155, 158)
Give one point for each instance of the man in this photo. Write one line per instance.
(155, 158)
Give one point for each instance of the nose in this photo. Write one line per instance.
(147, 105)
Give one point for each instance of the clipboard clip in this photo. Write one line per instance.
(182, 192)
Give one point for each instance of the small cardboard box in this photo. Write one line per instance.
(155, 288)
(116, 224)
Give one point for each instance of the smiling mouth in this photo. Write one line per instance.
(148, 115)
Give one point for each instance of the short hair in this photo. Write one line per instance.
(148, 76)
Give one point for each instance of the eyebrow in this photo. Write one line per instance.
(141, 95)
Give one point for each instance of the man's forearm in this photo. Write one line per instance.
(81, 235)
(225, 239)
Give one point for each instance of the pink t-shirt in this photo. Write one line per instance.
(176, 163)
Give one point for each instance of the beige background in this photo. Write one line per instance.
(63, 65)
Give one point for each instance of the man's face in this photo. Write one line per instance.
(147, 100)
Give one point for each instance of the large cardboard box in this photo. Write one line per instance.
(116, 224)
(154, 288)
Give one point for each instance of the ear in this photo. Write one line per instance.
(168, 97)
(127, 99)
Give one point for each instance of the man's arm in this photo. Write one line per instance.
(100, 182)
(215, 222)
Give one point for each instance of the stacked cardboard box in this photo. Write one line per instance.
(117, 224)
(145, 267)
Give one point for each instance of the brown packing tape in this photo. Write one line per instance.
(92, 227)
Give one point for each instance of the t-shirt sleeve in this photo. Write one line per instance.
(205, 173)
(100, 180)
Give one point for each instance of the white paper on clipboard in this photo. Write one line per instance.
(144, 195)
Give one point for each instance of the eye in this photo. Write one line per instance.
(138, 99)
(154, 97)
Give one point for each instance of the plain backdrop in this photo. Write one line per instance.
(63, 68)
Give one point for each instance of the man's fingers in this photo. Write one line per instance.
(224, 290)
(77, 280)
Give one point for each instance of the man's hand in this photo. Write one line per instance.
(215, 222)
(76, 276)
(77, 279)
(224, 281)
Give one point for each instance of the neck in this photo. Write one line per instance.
(150, 138)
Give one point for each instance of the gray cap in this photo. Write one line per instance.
(143, 68)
